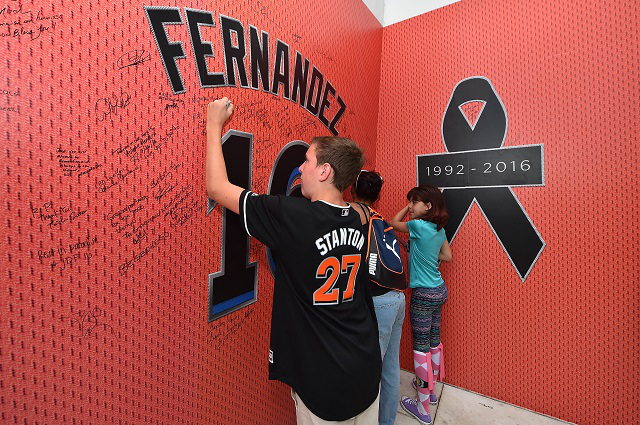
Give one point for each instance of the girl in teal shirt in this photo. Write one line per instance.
(428, 244)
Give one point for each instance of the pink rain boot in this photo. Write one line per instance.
(419, 408)
(437, 366)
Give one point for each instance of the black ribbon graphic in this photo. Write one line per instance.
(507, 218)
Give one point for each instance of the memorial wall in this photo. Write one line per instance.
(527, 114)
(126, 296)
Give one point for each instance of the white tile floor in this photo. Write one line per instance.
(460, 407)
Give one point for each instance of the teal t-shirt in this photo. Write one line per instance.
(426, 242)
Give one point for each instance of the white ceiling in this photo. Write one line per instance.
(390, 12)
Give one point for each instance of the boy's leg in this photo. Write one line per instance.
(305, 417)
(368, 417)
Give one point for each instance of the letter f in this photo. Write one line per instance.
(158, 17)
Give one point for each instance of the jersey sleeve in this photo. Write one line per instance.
(414, 228)
(261, 217)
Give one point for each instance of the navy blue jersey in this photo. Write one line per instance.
(324, 338)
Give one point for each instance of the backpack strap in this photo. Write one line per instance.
(366, 211)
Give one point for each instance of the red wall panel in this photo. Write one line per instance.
(104, 281)
(562, 342)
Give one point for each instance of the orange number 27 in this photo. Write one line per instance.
(330, 269)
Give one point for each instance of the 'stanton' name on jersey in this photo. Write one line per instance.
(338, 237)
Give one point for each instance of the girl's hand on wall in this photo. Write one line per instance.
(218, 112)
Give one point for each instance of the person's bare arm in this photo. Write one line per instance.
(218, 186)
(445, 252)
(360, 210)
(397, 223)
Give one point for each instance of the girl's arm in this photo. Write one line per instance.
(360, 210)
(445, 252)
(397, 223)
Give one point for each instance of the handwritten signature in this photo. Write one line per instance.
(115, 179)
(55, 216)
(133, 58)
(129, 264)
(108, 106)
(75, 161)
(25, 25)
(88, 321)
(147, 144)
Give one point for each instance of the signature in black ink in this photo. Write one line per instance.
(70, 260)
(129, 224)
(106, 106)
(33, 33)
(181, 206)
(7, 92)
(129, 264)
(163, 190)
(75, 161)
(8, 10)
(145, 145)
(127, 212)
(115, 179)
(165, 174)
(139, 230)
(140, 236)
(55, 216)
(88, 321)
(180, 214)
(166, 187)
(125, 217)
(171, 102)
(15, 109)
(89, 169)
(133, 58)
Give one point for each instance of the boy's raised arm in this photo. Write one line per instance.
(218, 186)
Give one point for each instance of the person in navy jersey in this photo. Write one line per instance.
(324, 336)
(427, 245)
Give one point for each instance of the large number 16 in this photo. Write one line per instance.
(235, 285)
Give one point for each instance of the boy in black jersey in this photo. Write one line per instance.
(324, 339)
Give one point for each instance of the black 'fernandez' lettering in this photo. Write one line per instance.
(315, 96)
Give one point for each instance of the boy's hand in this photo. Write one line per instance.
(218, 112)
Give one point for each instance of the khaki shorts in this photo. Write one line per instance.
(305, 417)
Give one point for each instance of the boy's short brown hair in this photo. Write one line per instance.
(344, 156)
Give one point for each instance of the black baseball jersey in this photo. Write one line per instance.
(324, 336)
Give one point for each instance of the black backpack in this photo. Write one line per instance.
(384, 264)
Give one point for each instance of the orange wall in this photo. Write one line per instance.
(564, 342)
(83, 341)
(120, 333)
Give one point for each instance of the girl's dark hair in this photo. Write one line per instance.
(367, 186)
(437, 214)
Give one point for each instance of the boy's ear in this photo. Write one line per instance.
(326, 171)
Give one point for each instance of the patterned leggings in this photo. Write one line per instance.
(426, 315)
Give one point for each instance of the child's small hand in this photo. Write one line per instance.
(218, 112)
